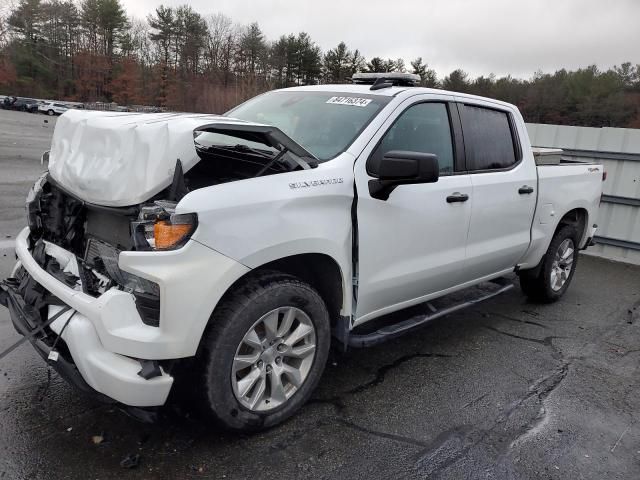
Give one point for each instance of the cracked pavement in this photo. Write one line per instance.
(504, 390)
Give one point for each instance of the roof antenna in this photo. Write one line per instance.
(381, 83)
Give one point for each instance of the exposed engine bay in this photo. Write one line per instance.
(79, 242)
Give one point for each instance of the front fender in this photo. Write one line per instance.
(260, 220)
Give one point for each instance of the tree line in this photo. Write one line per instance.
(90, 50)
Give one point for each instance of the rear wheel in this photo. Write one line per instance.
(51, 113)
(264, 352)
(552, 279)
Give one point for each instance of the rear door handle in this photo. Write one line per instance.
(525, 190)
(457, 197)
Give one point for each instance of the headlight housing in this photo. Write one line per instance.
(159, 228)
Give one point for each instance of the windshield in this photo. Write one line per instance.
(324, 123)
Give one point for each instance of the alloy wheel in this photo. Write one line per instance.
(273, 359)
(562, 264)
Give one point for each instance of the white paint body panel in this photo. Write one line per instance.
(501, 217)
(562, 188)
(109, 373)
(404, 252)
(263, 219)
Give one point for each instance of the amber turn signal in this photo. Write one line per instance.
(171, 234)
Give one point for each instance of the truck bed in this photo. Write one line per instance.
(553, 156)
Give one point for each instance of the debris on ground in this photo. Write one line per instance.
(130, 461)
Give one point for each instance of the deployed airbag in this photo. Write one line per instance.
(120, 159)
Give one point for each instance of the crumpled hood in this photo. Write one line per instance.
(120, 159)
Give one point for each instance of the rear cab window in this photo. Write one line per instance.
(489, 138)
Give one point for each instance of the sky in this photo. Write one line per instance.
(517, 37)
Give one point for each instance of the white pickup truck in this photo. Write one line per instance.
(233, 250)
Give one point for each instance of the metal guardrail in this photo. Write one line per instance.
(617, 242)
(633, 202)
(633, 157)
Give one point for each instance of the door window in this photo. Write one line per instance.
(488, 138)
(424, 128)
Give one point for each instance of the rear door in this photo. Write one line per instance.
(504, 189)
(412, 244)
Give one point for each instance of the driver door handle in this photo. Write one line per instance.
(457, 197)
(525, 190)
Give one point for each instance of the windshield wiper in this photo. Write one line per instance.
(270, 164)
(273, 159)
(241, 148)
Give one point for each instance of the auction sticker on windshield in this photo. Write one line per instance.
(353, 101)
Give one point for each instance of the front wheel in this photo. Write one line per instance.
(556, 270)
(265, 352)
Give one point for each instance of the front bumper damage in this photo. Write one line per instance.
(27, 322)
(106, 347)
(82, 360)
(101, 347)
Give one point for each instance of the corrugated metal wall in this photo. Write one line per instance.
(619, 150)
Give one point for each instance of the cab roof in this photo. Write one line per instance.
(394, 91)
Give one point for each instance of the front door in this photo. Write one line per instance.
(412, 244)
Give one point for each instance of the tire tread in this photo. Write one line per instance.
(537, 286)
(233, 304)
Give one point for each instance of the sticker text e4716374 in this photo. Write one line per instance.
(353, 101)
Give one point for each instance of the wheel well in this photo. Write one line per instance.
(318, 270)
(577, 218)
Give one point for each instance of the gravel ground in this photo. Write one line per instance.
(504, 390)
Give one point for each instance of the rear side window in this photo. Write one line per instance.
(488, 138)
(423, 128)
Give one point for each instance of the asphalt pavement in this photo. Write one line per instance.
(504, 390)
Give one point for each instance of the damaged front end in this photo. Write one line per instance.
(81, 241)
(114, 185)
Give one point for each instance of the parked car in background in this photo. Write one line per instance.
(53, 108)
(76, 105)
(32, 106)
(20, 103)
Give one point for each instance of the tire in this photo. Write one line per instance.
(549, 282)
(51, 113)
(232, 358)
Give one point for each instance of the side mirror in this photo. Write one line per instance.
(399, 167)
